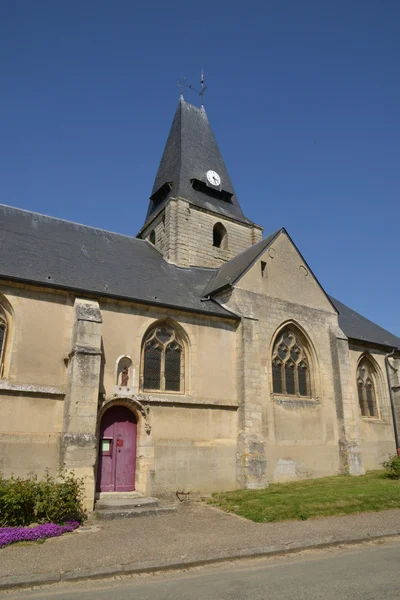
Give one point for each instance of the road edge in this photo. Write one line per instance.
(38, 579)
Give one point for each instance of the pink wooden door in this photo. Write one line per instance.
(117, 457)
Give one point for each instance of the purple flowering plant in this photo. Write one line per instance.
(51, 505)
(10, 535)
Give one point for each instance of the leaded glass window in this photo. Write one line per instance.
(290, 366)
(163, 361)
(366, 389)
(277, 376)
(3, 336)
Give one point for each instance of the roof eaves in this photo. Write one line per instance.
(232, 314)
(97, 294)
(230, 282)
(370, 342)
(273, 237)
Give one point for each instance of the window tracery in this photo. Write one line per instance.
(366, 389)
(3, 338)
(290, 366)
(163, 361)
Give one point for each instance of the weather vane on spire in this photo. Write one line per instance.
(182, 82)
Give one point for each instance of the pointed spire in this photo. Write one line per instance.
(190, 153)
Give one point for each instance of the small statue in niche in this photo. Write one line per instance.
(125, 377)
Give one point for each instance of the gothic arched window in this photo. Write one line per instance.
(290, 365)
(163, 361)
(3, 338)
(366, 388)
(220, 236)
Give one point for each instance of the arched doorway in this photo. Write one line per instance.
(117, 451)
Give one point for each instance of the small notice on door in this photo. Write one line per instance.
(105, 445)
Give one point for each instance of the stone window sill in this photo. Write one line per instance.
(161, 393)
(373, 420)
(299, 400)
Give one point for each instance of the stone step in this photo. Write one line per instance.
(118, 504)
(103, 495)
(146, 511)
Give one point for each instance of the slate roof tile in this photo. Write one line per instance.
(357, 327)
(190, 151)
(47, 251)
(44, 250)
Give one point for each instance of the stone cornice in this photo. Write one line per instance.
(27, 388)
(176, 399)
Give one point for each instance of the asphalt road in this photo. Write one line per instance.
(368, 572)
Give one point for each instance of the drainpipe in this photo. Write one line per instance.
(396, 433)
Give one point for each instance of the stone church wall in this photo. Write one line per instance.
(192, 445)
(394, 370)
(298, 437)
(30, 430)
(53, 390)
(33, 385)
(158, 228)
(301, 436)
(228, 429)
(194, 449)
(376, 435)
(184, 234)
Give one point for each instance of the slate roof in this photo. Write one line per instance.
(191, 150)
(357, 327)
(39, 249)
(43, 250)
(230, 271)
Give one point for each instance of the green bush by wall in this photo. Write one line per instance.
(47, 500)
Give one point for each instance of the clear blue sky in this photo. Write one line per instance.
(303, 98)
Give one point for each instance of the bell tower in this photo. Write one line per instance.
(194, 217)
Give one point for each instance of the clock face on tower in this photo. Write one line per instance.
(213, 178)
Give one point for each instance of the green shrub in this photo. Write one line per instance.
(49, 500)
(17, 501)
(392, 467)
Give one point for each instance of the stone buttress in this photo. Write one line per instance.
(350, 455)
(79, 441)
(251, 460)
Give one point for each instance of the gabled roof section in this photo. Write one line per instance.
(191, 150)
(60, 254)
(231, 271)
(357, 327)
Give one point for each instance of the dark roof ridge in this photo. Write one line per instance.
(32, 212)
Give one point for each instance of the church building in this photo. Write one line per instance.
(199, 356)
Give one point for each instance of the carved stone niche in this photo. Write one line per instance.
(124, 383)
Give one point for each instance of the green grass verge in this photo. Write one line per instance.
(311, 498)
